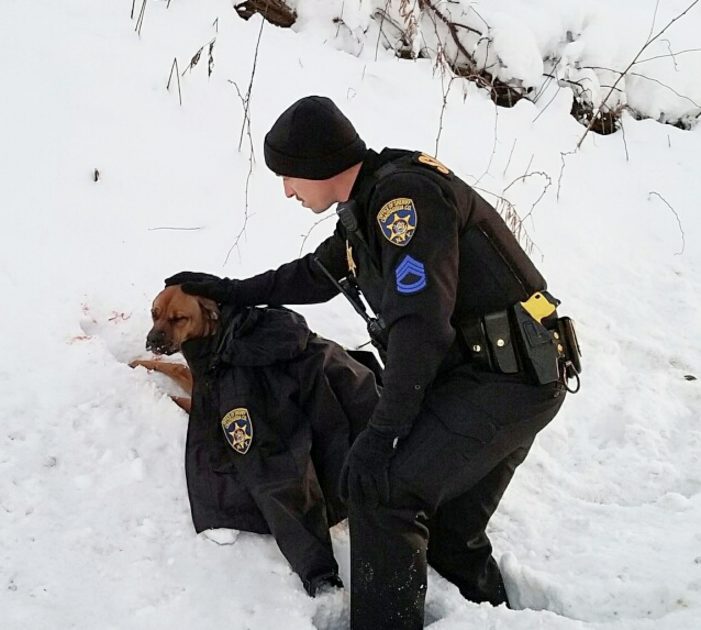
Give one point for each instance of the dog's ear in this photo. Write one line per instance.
(209, 308)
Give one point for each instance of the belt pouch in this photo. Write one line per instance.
(475, 342)
(498, 331)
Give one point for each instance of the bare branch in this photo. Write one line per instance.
(174, 68)
(548, 183)
(676, 216)
(508, 212)
(383, 15)
(177, 229)
(444, 104)
(548, 104)
(494, 144)
(681, 52)
(453, 32)
(247, 100)
(513, 146)
(246, 126)
(625, 142)
(548, 78)
(671, 53)
(642, 76)
(654, 17)
(562, 170)
(308, 234)
(140, 19)
(631, 64)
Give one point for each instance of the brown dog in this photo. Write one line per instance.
(177, 317)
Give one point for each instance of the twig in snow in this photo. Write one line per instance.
(508, 212)
(513, 146)
(177, 229)
(671, 53)
(494, 144)
(306, 236)
(140, 19)
(246, 126)
(681, 52)
(453, 32)
(522, 178)
(654, 18)
(596, 114)
(562, 170)
(175, 68)
(210, 58)
(195, 59)
(548, 78)
(676, 216)
(625, 142)
(444, 104)
(383, 15)
(642, 76)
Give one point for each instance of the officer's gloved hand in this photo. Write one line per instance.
(365, 477)
(322, 584)
(221, 290)
(190, 276)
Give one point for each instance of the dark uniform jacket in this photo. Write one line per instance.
(274, 411)
(428, 253)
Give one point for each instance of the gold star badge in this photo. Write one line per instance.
(349, 258)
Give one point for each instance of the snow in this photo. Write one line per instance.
(599, 528)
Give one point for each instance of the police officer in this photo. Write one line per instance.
(462, 400)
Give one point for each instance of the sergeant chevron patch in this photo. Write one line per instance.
(411, 276)
(238, 429)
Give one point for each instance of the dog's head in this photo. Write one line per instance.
(178, 317)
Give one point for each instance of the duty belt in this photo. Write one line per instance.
(528, 337)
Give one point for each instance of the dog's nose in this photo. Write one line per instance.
(155, 339)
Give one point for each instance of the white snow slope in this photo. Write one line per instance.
(601, 525)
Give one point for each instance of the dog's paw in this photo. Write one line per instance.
(145, 363)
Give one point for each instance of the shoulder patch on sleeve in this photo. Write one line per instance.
(397, 220)
(428, 160)
(411, 276)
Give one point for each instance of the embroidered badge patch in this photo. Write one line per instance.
(397, 220)
(411, 276)
(238, 429)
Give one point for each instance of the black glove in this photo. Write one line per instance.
(365, 478)
(322, 584)
(222, 291)
(189, 276)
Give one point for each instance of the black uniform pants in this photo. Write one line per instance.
(446, 480)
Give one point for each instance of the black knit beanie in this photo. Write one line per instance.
(312, 139)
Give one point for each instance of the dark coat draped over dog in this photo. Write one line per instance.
(274, 411)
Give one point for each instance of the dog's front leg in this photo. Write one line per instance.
(177, 371)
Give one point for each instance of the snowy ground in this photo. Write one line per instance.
(600, 528)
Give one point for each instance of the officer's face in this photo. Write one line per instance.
(317, 195)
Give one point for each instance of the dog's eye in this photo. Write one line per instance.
(175, 320)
